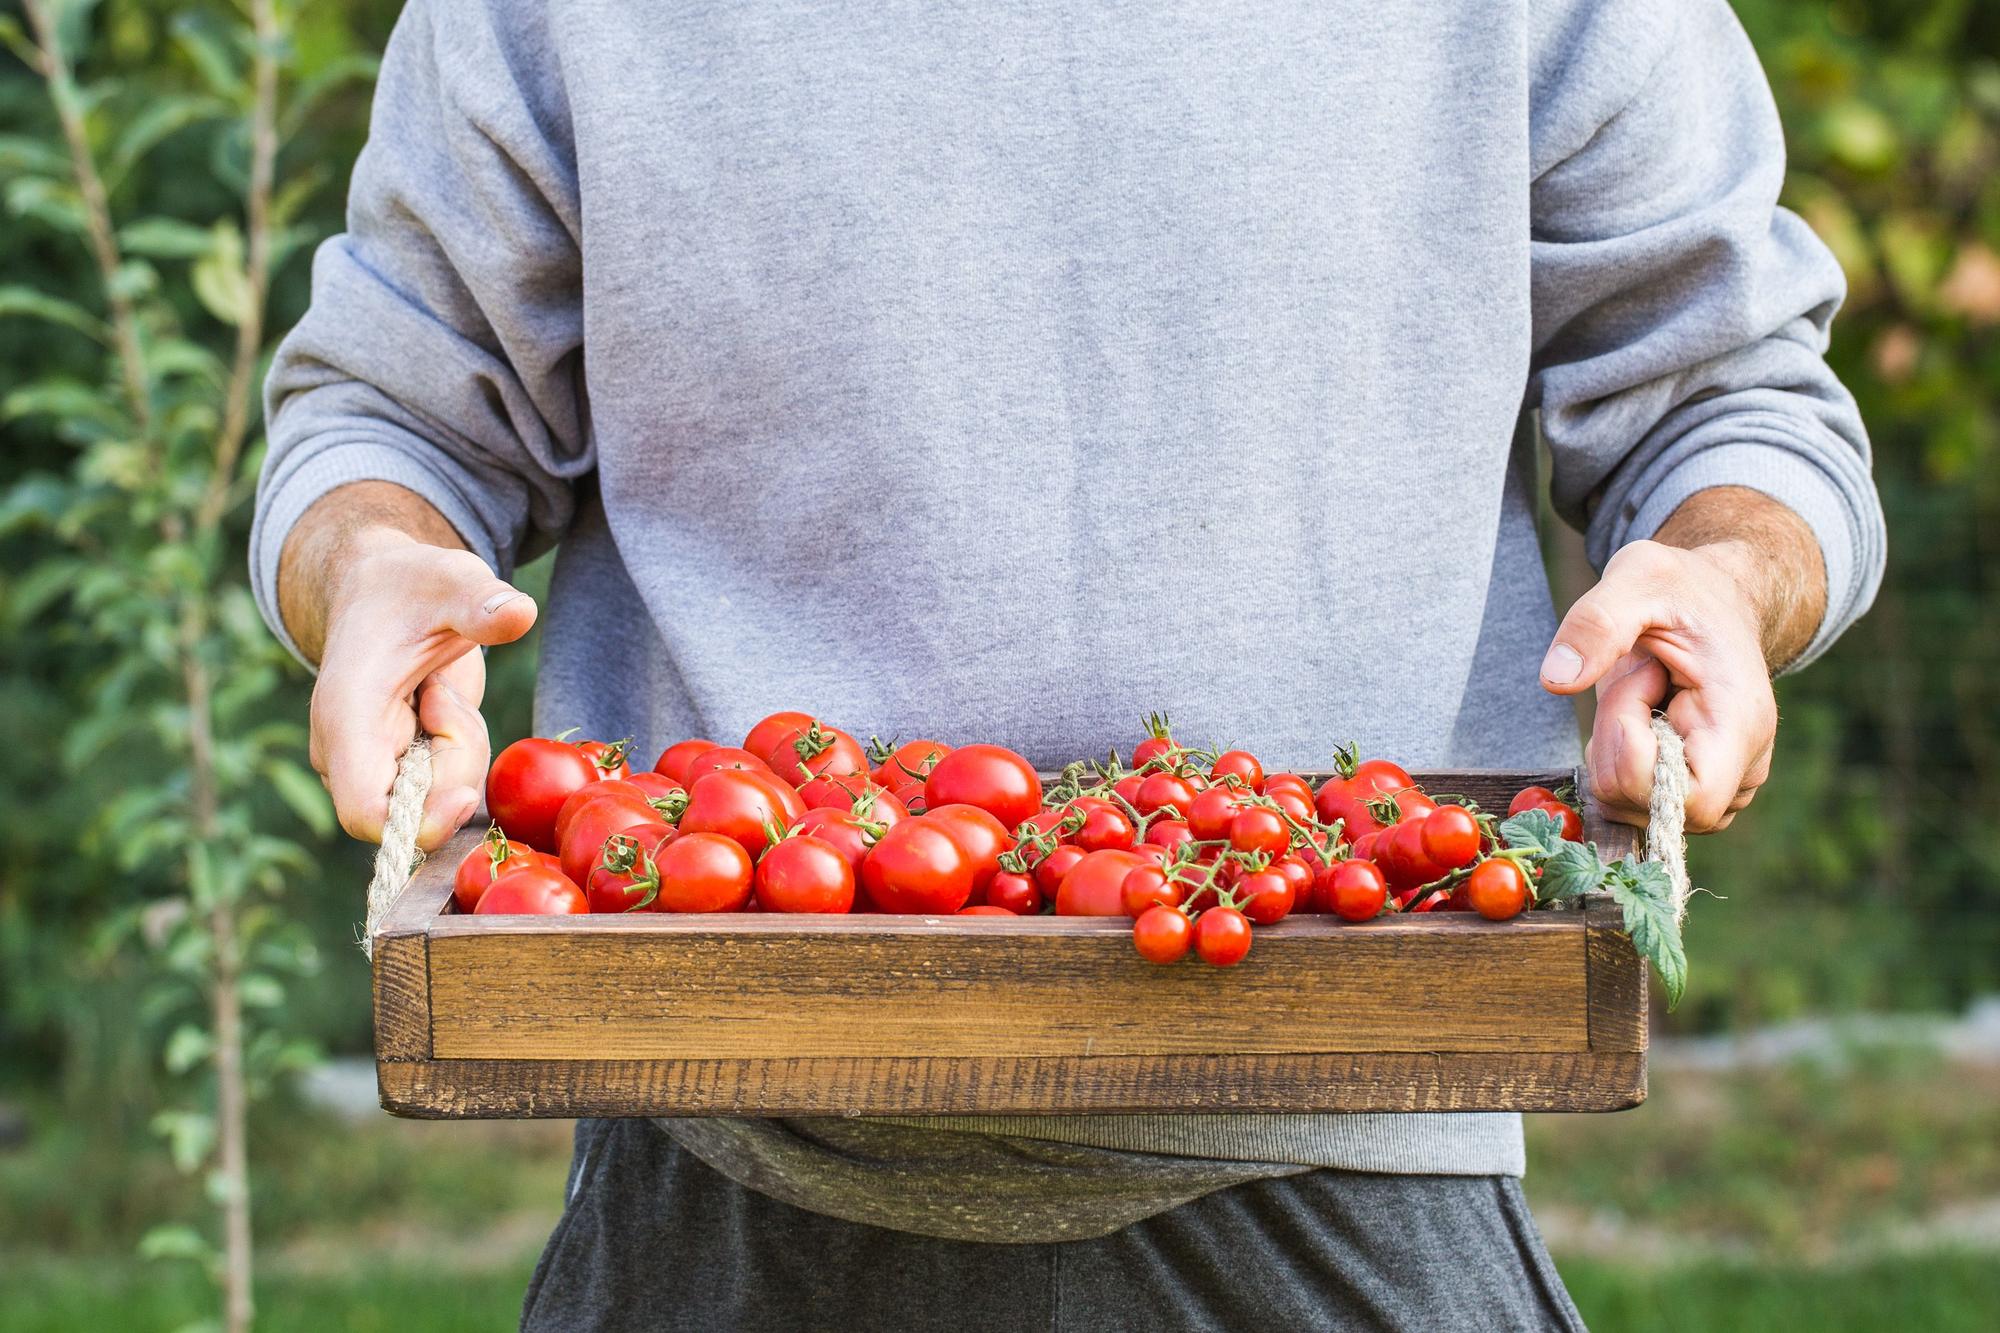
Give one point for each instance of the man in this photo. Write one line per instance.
(1005, 371)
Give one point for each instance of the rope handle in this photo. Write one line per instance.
(398, 859)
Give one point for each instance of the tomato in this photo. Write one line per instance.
(804, 874)
(1275, 782)
(1337, 800)
(985, 909)
(1222, 936)
(994, 778)
(1159, 739)
(1238, 764)
(1049, 871)
(912, 761)
(1379, 777)
(1255, 829)
(655, 786)
(1147, 886)
(1154, 852)
(876, 804)
(1209, 814)
(918, 867)
(1298, 806)
(1353, 890)
(1267, 896)
(1105, 826)
(674, 760)
(1162, 935)
(1127, 788)
(626, 878)
(528, 783)
(1497, 889)
(1300, 875)
(594, 823)
(845, 831)
(1529, 798)
(703, 872)
(723, 758)
(492, 856)
(1365, 845)
(980, 836)
(1168, 833)
(1571, 821)
(609, 758)
(1451, 837)
(807, 752)
(596, 791)
(1160, 790)
(1094, 886)
(1402, 857)
(767, 733)
(1019, 894)
(532, 891)
(741, 805)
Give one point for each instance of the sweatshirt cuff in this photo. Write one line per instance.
(1789, 477)
(326, 464)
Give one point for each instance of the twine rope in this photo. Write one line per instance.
(1666, 814)
(398, 857)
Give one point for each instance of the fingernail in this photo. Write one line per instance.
(500, 599)
(1563, 665)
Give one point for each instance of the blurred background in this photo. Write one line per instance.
(177, 909)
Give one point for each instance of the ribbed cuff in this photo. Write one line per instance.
(327, 463)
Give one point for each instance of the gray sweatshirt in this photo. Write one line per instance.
(1004, 370)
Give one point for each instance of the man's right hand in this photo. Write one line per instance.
(395, 622)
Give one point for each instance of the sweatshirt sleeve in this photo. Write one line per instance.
(443, 346)
(1680, 315)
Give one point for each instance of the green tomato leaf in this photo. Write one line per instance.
(1641, 890)
(1534, 831)
(1571, 871)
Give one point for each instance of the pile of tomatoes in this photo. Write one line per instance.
(1195, 846)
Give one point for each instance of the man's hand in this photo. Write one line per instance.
(1731, 588)
(375, 585)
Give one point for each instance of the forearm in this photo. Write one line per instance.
(1771, 555)
(330, 539)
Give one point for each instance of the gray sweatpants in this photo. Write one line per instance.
(655, 1239)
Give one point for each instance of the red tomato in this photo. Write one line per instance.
(1161, 790)
(1267, 896)
(594, 823)
(805, 874)
(1159, 739)
(596, 791)
(532, 891)
(773, 729)
(1238, 764)
(1300, 876)
(1402, 856)
(1255, 829)
(1049, 871)
(1127, 788)
(1571, 821)
(528, 783)
(912, 761)
(845, 793)
(846, 832)
(741, 805)
(1105, 826)
(1379, 776)
(1146, 887)
(1451, 837)
(492, 856)
(674, 760)
(721, 759)
(919, 868)
(985, 909)
(807, 752)
(980, 836)
(1529, 798)
(1365, 845)
(1338, 800)
(1095, 885)
(1168, 833)
(655, 786)
(1496, 890)
(1274, 782)
(1154, 852)
(1299, 805)
(1411, 804)
(609, 758)
(995, 779)
(626, 878)
(1210, 813)
(703, 872)
(1162, 935)
(1222, 936)
(1018, 894)
(1354, 890)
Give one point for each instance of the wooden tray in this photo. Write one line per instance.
(749, 1014)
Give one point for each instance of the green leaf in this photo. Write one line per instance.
(1571, 871)
(303, 793)
(259, 991)
(163, 116)
(209, 47)
(166, 238)
(32, 304)
(189, 1135)
(21, 153)
(219, 280)
(61, 398)
(175, 1240)
(51, 202)
(1642, 892)
(1535, 831)
(187, 1047)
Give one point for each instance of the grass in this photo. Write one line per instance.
(1938, 1293)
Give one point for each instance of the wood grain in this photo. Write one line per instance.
(450, 1089)
(401, 959)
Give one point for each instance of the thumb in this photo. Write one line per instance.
(488, 610)
(1600, 628)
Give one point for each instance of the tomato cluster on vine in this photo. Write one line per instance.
(1197, 846)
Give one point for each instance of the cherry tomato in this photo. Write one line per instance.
(1049, 871)
(1402, 857)
(1168, 833)
(609, 758)
(1267, 897)
(1571, 821)
(1154, 852)
(703, 872)
(1094, 886)
(1019, 894)
(1451, 837)
(528, 783)
(1238, 764)
(1411, 804)
(1380, 776)
(490, 857)
(1162, 935)
(1127, 788)
(1255, 829)
(848, 833)
(878, 806)
(596, 791)
(595, 822)
(1300, 876)
(1294, 803)
(995, 779)
(1337, 800)
(1529, 798)
(741, 805)
(1105, 826)
(1157, 742)
(674, 760)
(1222, 937)
(627, 878)
(1354, 890)
(912, 761)
(984, 909)
(918, 868)
(534, 890)
(654, 786)
(1497, 889)
(1210, 812)
(723, 759)
(768, 732)
(1147, 886)
(807, 752)
(980, 836)
(804, 874)
(1160, 790)
(1365, 845)
(1274, 782)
